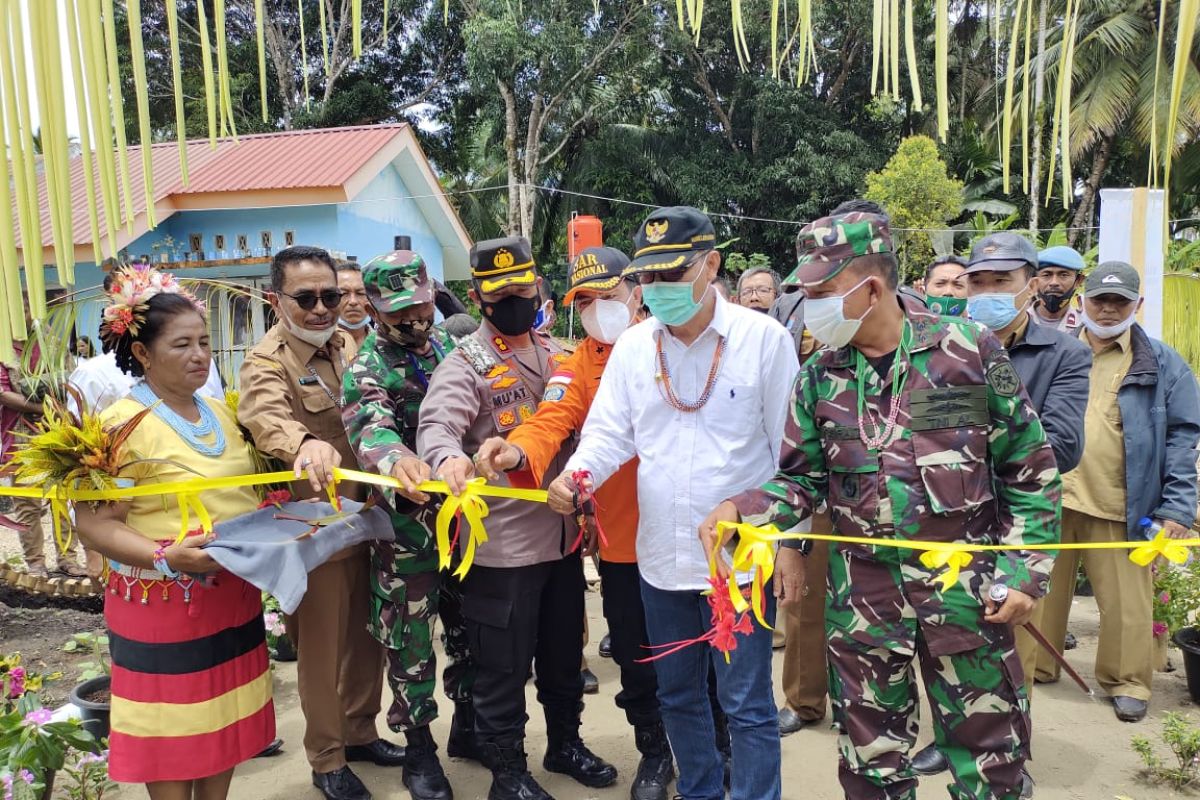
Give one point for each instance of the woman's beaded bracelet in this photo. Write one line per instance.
(160, 563)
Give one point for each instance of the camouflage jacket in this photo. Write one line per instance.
(968, 462)
(383, 389)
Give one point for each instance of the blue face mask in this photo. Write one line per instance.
(993, 309)
(672, 303)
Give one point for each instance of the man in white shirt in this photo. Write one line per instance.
(699, 395)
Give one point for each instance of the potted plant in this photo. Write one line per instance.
(93, 694)
(282, 648)
(1176, 602)
(33, 748)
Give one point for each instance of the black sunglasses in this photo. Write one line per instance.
(330, 298)
(670, 275)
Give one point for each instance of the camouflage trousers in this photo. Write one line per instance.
(404, 622)
(980, 709)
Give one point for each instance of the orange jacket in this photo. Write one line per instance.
(565, 404)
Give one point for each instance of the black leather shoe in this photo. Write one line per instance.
(790, 721)
(463, 742)
(573, 758)
(606, 646)
(656, 770)
(341, 784)
(423, 775)
(272, 749)
(930, 761)
(380, 752)
(1129, 709)
(591, 684)
(1070, 643)
(516, 786)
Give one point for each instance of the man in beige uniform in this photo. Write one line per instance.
(290, 402)
(523, 598)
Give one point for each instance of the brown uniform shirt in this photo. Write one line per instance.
(462, 408)
(292, 391)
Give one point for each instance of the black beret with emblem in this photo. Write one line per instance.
(496, 263)
(669, 237)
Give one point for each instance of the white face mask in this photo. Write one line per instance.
(1107, 331)
(826, 321)
(605, 320)
(355, 326)
(315, 338)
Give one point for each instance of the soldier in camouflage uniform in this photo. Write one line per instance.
(383, 392)
(911, 426)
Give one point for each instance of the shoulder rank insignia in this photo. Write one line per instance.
(503, 383)
(477, 355)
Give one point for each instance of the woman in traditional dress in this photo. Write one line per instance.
(191, 688)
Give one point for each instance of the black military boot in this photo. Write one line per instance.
(463, 742)
(724, 745)
(567, 754)
(510, 772)
(422, 774)
(656, 770)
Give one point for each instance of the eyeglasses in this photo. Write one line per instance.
(670, 275)
(330, 298)
(754, 291)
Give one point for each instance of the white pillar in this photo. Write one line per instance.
(1131, 230)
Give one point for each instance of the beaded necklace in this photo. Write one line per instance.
(899, 374)
(664, 377)
(190, 432)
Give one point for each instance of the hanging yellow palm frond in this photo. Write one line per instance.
(93, 67)
(177, 88)
(211, 93)
(81, 113)
(138, 57)
(118, 109)
(1009, 86)
(259, 22)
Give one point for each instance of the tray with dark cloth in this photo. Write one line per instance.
(276, 547)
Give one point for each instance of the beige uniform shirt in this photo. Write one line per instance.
(292, 391)
(462, 408)
(1097, 486)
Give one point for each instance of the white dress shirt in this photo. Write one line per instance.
(102, 383)
(690, 462)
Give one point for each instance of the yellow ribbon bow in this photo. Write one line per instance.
(753, 553)
(473, 509)
(951, 557)
(1160, 545)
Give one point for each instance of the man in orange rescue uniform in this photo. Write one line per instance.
(608, 305)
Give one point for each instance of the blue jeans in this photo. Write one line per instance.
(743, 687)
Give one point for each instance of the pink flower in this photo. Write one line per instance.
(1160, 629)
(38, 717)
(16, 683)
(1164, 598)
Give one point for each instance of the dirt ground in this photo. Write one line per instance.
(1081, 751)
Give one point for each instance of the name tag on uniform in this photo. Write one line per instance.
(950, 407)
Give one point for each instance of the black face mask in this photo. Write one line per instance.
(411, 335)
(513, 315)
(1055, 301)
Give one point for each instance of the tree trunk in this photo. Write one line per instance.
(1035, 167)
(512, 162)
(1087, 203)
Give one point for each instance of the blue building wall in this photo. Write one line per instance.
(365, 227)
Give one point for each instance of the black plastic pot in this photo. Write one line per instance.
(284, 649)
(94, 715)
(1188, 640)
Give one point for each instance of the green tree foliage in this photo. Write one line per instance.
(917, 193)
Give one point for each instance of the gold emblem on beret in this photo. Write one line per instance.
(655, 231)
(502, 260)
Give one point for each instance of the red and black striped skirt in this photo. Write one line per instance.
(191, 681)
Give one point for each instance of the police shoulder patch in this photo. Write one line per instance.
(1003, 378)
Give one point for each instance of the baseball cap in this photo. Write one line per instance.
(825, 246)
(397, 280)
(496, 263)
(1002, 252)
(1114, 277)
(668, 237)
(596, 269)
(1061, 256)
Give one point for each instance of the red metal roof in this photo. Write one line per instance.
(288, 160)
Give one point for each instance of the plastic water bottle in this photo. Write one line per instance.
(1149, 527)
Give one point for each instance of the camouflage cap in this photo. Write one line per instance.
(397, 280)
(825, 246)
